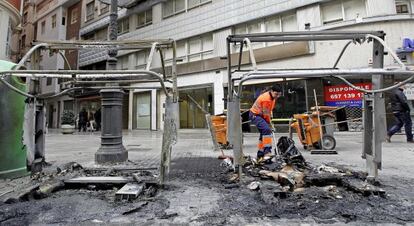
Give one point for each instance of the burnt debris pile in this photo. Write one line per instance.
(119, 182)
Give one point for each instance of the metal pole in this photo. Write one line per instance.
(112, 150)
(375, 117)
(319, 118)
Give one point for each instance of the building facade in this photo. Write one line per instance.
(10, 18)
(46, 20)
(201, 27)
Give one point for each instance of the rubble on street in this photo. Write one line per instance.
(200, 190)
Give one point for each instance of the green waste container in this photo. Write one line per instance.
(12, 150)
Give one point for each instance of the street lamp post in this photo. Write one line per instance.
(112, 150)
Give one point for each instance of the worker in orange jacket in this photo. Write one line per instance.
(260, 114)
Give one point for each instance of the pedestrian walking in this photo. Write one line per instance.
(83, 119)
(260, 114)
(401, 111)
(98, 119)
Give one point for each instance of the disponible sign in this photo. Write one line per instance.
(344, 95)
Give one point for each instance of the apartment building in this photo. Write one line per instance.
(52, 20)
(28, 34)
(201, 27)
(10, 18)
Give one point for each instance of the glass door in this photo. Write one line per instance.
(142, 108)
(190, 115)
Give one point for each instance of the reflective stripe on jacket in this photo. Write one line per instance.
(264, 105)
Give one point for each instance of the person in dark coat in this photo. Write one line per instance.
(83, 119)
(402, 115)
(97, 116)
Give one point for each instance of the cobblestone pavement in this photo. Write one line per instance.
(194, 193)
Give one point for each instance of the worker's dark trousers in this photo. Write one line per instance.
(402, 119)
(265, 139)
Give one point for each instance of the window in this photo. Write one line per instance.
(193, 49)
(43, 27)
(90, 36)
(144, 18)
(23, 41)
(9, 39)
(123, 26)
(142, 58)
(53, 21)
(49, 81)
(200, 48)
(354, 9)
(289, 23)
(277, 23)
(123, 62)
(101, 35)
(74, 16)
(343, 10)
(181, 52)
(194, 3)
(402, 6)
(103, 8)
(90, 9)
(172, 7)
(24, 18)
(332, 13)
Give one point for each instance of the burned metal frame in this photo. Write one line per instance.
(35, 108)
(374, 114)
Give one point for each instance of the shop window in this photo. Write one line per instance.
(90, 10)
(402, 6)
(144, 18)
(74, 16)
(123, 26)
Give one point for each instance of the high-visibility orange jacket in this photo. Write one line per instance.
(264, 105)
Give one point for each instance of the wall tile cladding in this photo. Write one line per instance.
(214, 16)
(210, 17)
